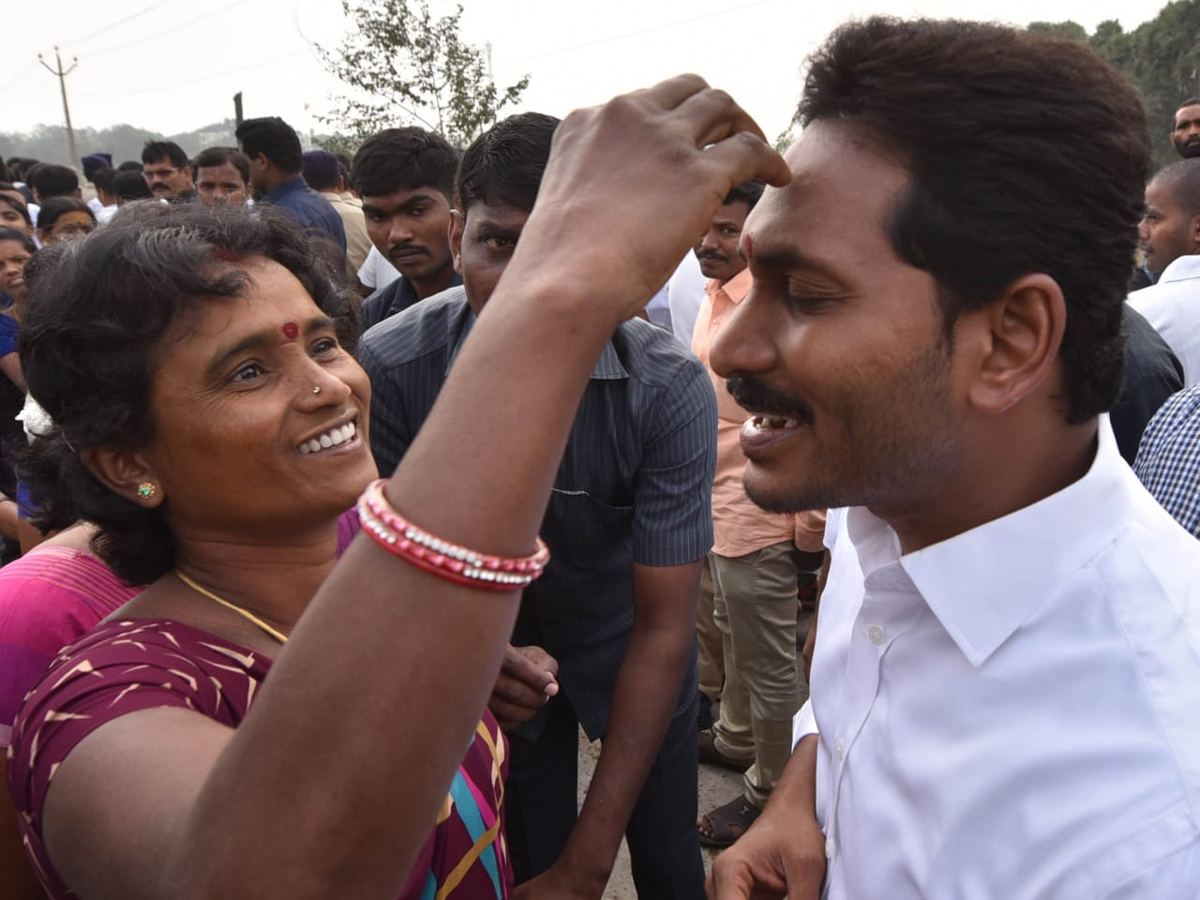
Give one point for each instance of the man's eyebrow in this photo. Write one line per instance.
(408, 204)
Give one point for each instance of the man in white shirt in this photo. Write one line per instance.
(1170, 239)
(1007, 671)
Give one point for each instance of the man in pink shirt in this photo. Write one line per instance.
(756, 563)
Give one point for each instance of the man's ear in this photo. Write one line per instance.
(1024, 333)
(1194, 233)
(126, 474)
(457, 223)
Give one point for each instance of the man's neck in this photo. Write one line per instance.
(1011, 473)
(435, 284)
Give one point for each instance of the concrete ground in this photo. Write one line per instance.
(717, 786)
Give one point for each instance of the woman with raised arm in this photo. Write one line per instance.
(210, 425)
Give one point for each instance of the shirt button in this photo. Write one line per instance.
(839, 749)
(830, 848)
(876, 634)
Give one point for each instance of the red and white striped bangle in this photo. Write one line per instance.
(442, 558)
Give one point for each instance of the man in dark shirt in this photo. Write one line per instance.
(405, 177)
(273, 149)
(612, 622)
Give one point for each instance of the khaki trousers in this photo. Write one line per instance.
(710, 661)
(755, 609)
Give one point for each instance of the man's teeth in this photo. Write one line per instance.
(765, 422)
(331, 438)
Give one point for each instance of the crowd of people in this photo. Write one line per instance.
(339, 495)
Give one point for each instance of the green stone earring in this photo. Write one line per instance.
(146, 490)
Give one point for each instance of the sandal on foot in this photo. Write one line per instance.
(725, 824)
(706, 745)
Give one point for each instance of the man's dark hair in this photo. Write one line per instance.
(404, 159)
(156, 150)
(53, 180)
(1182, 179)
(56, 207)
(103, 179)
(90, 355)
(130, 185)
(1190, 101)
(218, 156)
(505, 164)
(321, 170)
(273, 138)
(130, 165)
(748, 192)
(14, 203)
(1027, 153)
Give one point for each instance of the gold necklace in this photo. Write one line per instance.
(244, 613)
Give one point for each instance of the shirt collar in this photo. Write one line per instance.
(735, 288)
(295, 183)
(1184, 267)
(608, 367)
(985, 583)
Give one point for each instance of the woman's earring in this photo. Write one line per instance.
(147, 489)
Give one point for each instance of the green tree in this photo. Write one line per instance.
(407, 67)
(1067, 29)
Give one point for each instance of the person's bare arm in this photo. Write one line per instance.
(166, 803)
(10, 365)
(646, 693)
(783, 853)
(16, 874)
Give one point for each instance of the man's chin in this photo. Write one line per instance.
(775, 498)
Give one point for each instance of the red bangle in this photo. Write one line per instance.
(442, 558)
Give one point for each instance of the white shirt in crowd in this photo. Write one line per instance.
(1015, 712)
(377, 270)
(685, 293)
(1172, 306)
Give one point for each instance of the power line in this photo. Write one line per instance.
(172, 30)
(21, 76)
(117, 24)
(209, 77)
(640, 31)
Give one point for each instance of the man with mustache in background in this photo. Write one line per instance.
(747, 625)
(405, 177)
(1185, 136)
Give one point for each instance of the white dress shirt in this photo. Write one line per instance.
(1013, 713)
(1172, 306)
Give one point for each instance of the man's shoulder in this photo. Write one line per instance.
(1181, 278)
(419, 331)
(653, 355)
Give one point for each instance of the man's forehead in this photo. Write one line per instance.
(501, 215)
(1187, 113)
(401, 197)
(214, 173)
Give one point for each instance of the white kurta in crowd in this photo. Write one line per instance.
(1015, 712)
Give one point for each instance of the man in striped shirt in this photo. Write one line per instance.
(605, 639)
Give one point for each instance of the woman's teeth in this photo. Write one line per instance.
(331, 438)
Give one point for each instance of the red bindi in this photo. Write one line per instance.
(290, 330)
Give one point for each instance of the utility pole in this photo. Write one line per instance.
(237, 109)
(62, 83)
